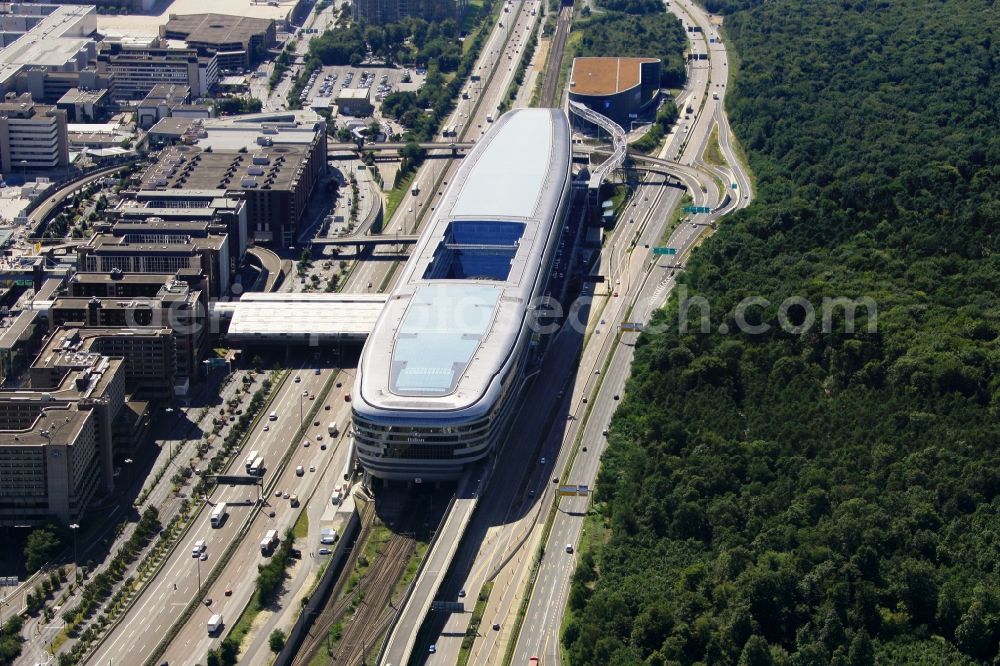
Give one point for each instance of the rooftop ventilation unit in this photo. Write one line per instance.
(261, 159)
(248, 183)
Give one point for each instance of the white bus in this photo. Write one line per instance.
(219, 514)
(257, 467)
(249, 461)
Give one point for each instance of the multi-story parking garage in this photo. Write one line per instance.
(439, 374)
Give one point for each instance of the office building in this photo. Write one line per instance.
(175, 306)
(56, 438)
(155, 247)
(84, 106)
(238, 42)
(46, 49)
(355, 102)
(223, 212)
(149, 366)
(271, 161)
(138, 66)
(157, 104)
(33, 137)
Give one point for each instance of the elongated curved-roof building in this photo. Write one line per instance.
(439, 373)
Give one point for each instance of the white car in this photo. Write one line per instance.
(300, 470)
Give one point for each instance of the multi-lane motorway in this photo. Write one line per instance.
(539, 635)
(179, 579)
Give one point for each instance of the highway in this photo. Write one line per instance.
(134, 638)
(313, 490)
(539, 635)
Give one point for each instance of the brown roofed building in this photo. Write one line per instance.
(623, 89)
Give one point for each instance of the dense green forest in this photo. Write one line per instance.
(637, 35)
(824, 497)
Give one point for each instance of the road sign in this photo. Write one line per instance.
(734, 186)
(8, 581)
(582, 489)
(239, 480)
(567, 491)
(448, 606)
(593, 278)
(690, 209)
(631, 326)
(664, 250)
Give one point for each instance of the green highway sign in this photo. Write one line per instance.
(664, 250)
(734, 186)
(697, 209)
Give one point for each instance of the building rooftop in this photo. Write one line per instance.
(78, 96)
(55, 35)
(266, 167)
(166, 93)
(451, 325)
(143, 242)
(606, 76)
(172, 127)
(354, 93)
(216, 28)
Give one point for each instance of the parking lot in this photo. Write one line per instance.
(329, 81)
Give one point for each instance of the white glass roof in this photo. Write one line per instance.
(493, 187)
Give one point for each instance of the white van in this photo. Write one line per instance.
(273, 416)
(198, 548)
(215, 623)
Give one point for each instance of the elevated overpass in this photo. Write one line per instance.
(296, 318)
(430, 146)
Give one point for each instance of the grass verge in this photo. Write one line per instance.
(395, 195)
(473, 631)
(301, 528)
(713, 154)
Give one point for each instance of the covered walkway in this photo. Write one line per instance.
(292, 318)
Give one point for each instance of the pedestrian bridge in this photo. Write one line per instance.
(293, 318)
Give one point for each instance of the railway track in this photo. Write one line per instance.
(554, 64)
(321, 626)
(373, 612)
(370, 599)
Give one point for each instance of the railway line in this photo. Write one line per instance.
(370, 599)
(554, 64)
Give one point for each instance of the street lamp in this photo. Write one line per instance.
(76, 566)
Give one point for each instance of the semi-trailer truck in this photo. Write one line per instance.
(219, 514)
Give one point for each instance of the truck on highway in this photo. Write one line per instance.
(198, 548)
(269, 541)
(328, 536)
(338, 494)
(273, 415)
(215, 624)
(219, 514)
(332, 429)
(250, 459)
(256, 467)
